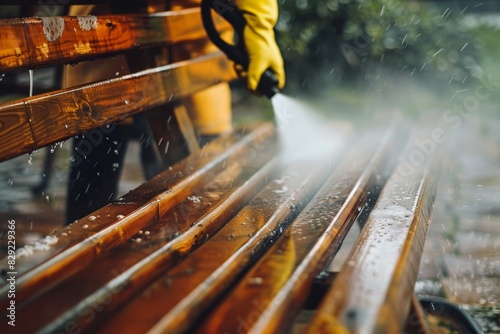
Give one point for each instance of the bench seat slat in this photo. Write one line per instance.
(213, 201)
(59, 115)
(136, 278)
(274, 291)
(28, 258)
(73, 258)
(196, 283)
(33, 42)
(373, 290)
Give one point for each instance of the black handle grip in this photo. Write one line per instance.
(227, 10)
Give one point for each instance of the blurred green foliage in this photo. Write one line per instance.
(327, 42)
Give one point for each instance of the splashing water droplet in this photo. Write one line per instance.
(256, 280)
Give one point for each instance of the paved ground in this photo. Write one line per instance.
(462, 255)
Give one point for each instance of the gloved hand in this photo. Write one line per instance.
(263, 52)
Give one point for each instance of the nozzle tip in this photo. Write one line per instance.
(268, 84)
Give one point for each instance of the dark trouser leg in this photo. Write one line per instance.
(97, 161)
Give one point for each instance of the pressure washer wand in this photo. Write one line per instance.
(268, 83)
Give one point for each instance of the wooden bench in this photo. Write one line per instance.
(228, 240)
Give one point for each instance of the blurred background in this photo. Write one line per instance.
(359, 60)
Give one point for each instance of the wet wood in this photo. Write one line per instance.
(33, 42)
(15, 132)
(196, 283)
(276, 288)
(372, 292)
(135, 279)
(221, 266)
(45, 119)
(213, 201)
(152, 200)
(14, 47)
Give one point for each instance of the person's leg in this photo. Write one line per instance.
(95, 168)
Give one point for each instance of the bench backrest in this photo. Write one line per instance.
(26, 43)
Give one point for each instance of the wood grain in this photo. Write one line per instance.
(48, 118)
(276, 288)
(166, 192)
(195, 285)
(14, 49)
(373, 291)
(33, 42)
(217, 191)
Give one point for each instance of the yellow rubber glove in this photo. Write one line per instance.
(263, 52)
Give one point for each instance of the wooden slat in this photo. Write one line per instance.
(34, 42)
(59, 115)
(15, 129)
(157, 197)
(276, 288)
(207, 273)
(14, 49)
(136, 278)
(372, 293)
(208, 206)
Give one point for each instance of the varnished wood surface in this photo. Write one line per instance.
(33, 42)
(136, 278)
(276, 288)
(31, 123)
(218, 259)
(207, 202)
(107, 229)
(373, 290)
(195, 284)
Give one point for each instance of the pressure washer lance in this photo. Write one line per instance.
(268, 83)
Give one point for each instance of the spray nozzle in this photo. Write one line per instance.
(268, 83)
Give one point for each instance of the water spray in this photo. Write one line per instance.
(303, 133)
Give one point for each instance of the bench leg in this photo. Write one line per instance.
(416, 323)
